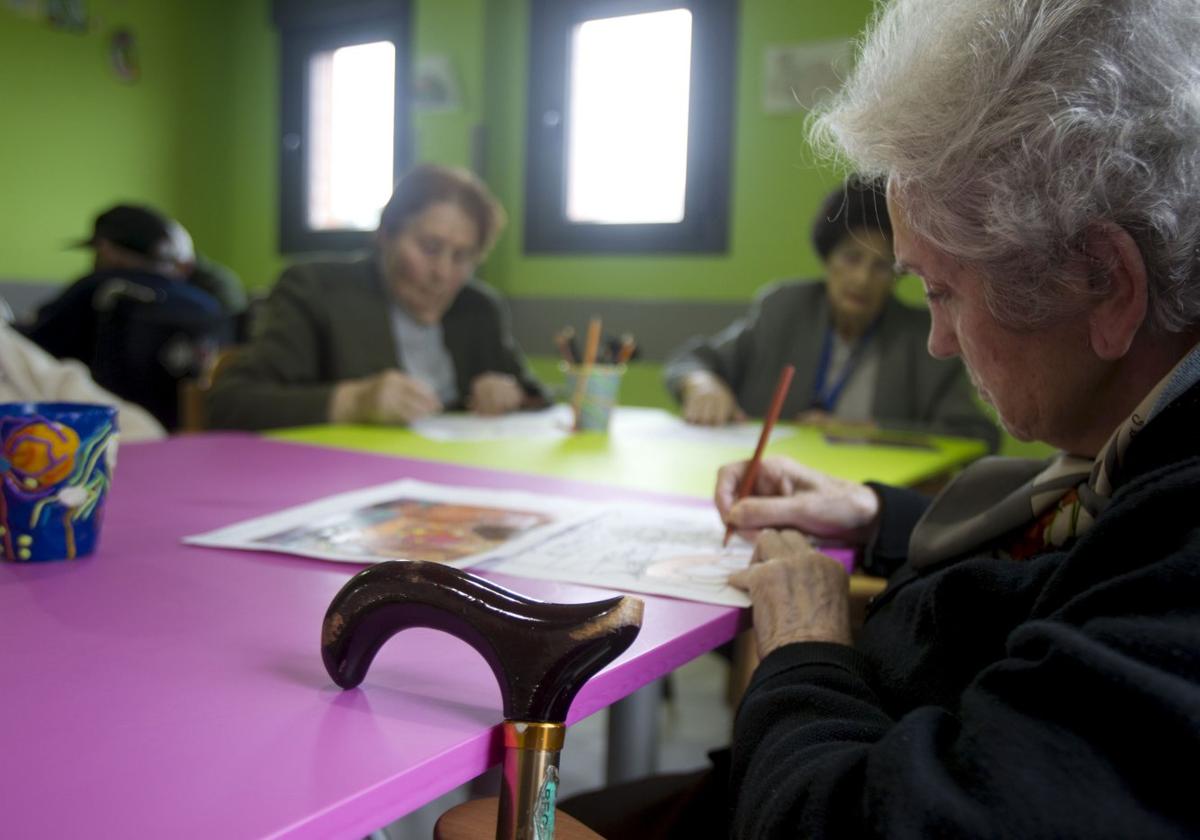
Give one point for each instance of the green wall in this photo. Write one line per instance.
(75, 138)
(252, 175)
(454, 28)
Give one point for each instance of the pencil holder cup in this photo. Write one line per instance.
(56, 464)
(593, 405)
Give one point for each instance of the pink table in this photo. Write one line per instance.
(158, 689)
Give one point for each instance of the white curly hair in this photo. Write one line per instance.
(1013, 127)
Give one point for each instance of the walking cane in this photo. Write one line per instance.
(541, 654)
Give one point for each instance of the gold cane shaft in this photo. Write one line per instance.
(529, 787)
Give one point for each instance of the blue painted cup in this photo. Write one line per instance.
(594, 406)
(56, 464)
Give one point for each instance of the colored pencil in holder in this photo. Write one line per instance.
(591, 347)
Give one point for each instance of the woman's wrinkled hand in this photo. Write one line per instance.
(387, 398)
(797, 593)
(495, 393)
(707, 400)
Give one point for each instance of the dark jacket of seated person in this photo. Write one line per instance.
(392, 338)
(138, 331)
(331, 322)
(789, 323)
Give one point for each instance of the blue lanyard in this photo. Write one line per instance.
(823, 398)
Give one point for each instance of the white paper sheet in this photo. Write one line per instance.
(660, 549)
(553, 422)
(556, 422)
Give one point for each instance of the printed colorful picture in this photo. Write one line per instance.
(405, 520)
(413, 529)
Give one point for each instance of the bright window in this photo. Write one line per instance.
(352, 94)
(627, 123)
(344, 118)
(629, 128)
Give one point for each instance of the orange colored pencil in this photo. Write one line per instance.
(590, 348)
(628, 345)
(781, 389)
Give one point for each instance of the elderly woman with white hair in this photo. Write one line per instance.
(1033, 668)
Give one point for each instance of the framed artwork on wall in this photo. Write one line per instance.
(67, 15)
(797, 77)
(25, 8)
(435, 84)
(122, 53)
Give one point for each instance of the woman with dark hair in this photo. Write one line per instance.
(390, 338)
(859, 353)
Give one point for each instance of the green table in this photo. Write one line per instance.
(685, 467)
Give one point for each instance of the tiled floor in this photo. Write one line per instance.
(693, 722)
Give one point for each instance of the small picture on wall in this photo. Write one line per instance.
(122, 52)
(435, 84)
(26, 8)
(798, 77)
(67, 15)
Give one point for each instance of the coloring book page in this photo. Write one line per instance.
(659, 549)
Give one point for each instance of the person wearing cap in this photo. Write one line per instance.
(401, 334)
(138, 265)
(137, 237)
(206, 274)
(859, 353)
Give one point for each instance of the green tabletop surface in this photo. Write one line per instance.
(658, 464)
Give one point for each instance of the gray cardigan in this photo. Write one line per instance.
(787, 323)
(326, 322)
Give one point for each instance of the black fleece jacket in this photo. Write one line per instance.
(1054, 697)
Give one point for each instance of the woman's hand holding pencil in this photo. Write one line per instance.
(795, 496)
(747, 483)
(785, 494)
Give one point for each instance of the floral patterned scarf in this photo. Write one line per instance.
(1019, 508)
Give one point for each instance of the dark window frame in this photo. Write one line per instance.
(307, 28)
(705, 226)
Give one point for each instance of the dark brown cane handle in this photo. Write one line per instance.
(541, 653)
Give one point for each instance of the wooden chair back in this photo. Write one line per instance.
(193, 393)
